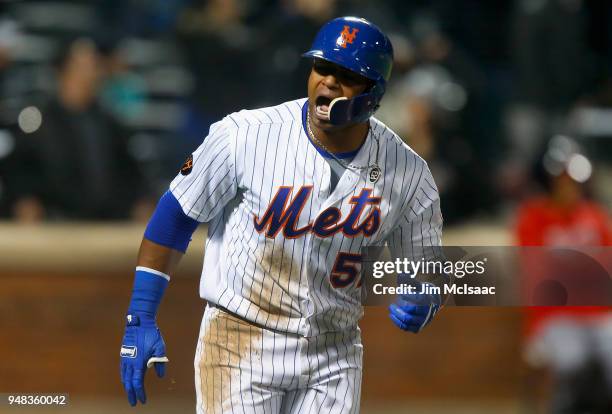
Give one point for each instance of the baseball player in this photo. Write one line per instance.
(291, 194)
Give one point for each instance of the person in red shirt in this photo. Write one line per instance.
(567, 339)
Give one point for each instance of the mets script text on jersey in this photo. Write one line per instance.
(280, 216)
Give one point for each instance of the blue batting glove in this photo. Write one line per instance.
(142, 347)
(412, 312)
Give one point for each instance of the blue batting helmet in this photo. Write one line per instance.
(359, 46)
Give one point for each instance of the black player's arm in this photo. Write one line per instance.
(161, 258)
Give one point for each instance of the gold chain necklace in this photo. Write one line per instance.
(374, 168)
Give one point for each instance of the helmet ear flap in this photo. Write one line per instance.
(376, 91)
(371, 86)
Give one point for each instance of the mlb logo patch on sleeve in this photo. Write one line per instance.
(128, 351)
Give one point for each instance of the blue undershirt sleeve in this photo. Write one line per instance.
(170, 226)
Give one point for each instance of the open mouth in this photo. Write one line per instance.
(322, 107)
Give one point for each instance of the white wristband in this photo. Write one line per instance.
(153, 271)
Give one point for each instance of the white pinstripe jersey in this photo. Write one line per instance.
(281, 247)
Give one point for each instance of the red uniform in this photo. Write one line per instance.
(543, 223)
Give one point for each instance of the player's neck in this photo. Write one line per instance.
(342, 140)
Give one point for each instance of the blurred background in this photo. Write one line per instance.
(510, 102)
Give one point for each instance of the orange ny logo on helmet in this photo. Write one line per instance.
(347, 36)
